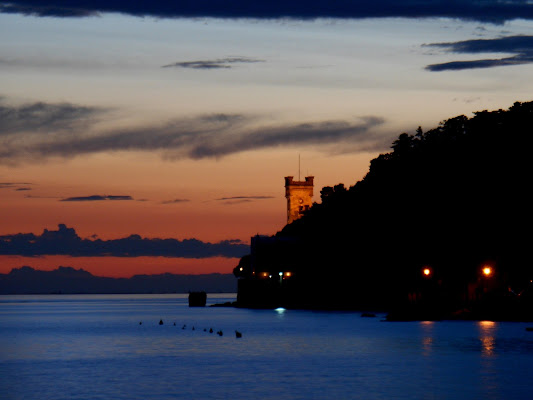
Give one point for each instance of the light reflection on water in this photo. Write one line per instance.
(95, 347)
(427, 339)
(487, 331)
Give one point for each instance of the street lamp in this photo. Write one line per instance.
(487, 271)
(427, 272)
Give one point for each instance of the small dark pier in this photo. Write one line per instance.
(197, 299)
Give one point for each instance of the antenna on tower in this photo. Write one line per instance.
(298, 166)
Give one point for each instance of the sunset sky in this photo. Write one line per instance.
(181, 122)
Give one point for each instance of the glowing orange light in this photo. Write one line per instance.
(426, 272)
(288, 274)
(487, 271)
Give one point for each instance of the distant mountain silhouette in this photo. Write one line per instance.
(67, 280)
(454, 198)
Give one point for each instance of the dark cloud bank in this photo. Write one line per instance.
(481, 10)
(55, 132)
(65, 241)
(521, 46)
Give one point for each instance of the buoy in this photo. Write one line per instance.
(219, 333)
(238, 334)
(160, 322)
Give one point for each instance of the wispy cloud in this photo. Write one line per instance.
(521, 46)
(30, 196)
(203, 136)
(175, 201)
(97, 198)
(219, 63)
(242, 199)
(40, 117)
(13, 185)
(245, 198)
(482, 10)
(65, 241)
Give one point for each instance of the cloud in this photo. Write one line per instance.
(245, 198)
(97, 198)
(521, 46)
(203, 136)
(65, 241)
(14, 185)
(29, 196)
(220, 63)
(242, 199)
(481, 10)
(40, 117)
(326, 133)
(175, 201)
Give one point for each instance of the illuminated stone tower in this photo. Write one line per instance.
(299, 196)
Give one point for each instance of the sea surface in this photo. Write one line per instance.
(113, 347)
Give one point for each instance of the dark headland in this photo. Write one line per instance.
(439, 228)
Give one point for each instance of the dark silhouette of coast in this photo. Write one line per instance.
(453, 200)
(67, 280)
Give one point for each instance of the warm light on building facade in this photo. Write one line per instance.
(299, 196)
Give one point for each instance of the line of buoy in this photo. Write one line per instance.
(219, 332)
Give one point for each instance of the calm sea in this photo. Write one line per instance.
(95, 347)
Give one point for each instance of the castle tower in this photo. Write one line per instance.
(299, 196)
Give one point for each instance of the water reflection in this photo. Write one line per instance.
(488, 372)
(487, 330)
(280, 311)
(427, 337)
